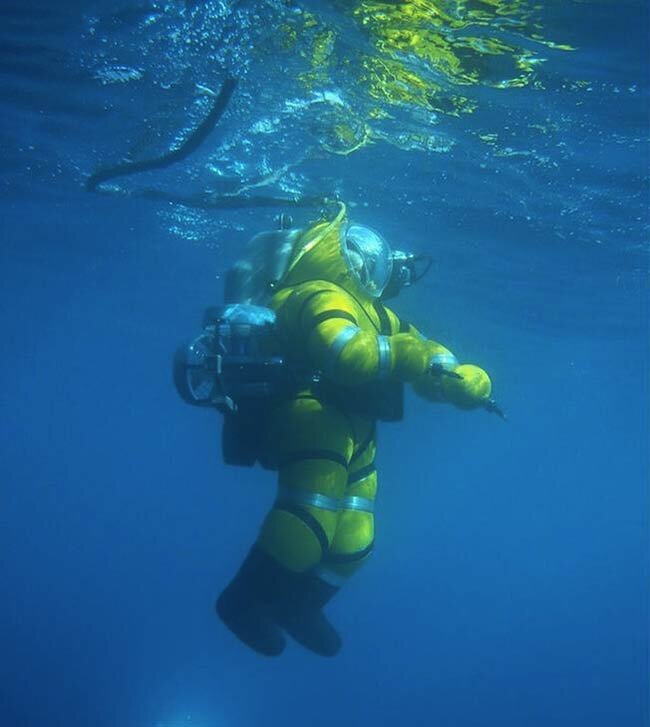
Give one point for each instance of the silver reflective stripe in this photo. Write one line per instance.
(323, 502)
(383, 345)
(312, 499)
(329, 576)
(344, 336)
(354, 502)
(446, 360)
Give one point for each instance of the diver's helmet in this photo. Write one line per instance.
(369, 258)
(380, 271)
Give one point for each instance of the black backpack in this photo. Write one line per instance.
(236, 367)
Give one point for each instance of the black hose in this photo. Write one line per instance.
(192, 143)
(206, 201)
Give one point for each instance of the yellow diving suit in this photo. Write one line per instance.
(321, 527)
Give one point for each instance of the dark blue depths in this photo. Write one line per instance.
(510, 580)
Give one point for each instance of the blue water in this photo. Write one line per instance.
(509, 585)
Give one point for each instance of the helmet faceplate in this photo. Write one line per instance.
(368, 257)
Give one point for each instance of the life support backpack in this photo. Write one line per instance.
(232, 360)
(234, 366)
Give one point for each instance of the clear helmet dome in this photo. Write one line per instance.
(368, 257)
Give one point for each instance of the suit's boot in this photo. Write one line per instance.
(244, 604)
(298, 609)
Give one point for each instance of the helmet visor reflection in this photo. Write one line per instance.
(369, 258)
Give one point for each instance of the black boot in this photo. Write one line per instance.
(264, 596)
(244, 604)
(299, 611)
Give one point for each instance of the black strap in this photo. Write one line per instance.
(364, 445)
(306, 302)
(404, 326)
(343, 290)
(350, 557)
(384, 321)
(362, 473)
(303, 454)
(309, 520)
(329, 314)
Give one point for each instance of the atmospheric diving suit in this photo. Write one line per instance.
(327, 296)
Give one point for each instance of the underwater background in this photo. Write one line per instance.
(508, 140)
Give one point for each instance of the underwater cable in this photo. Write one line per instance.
(201, 200)
(191, 144)
(207, 201)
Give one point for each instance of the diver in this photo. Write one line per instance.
(334, 361)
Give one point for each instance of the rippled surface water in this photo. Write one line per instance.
(526, 119)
